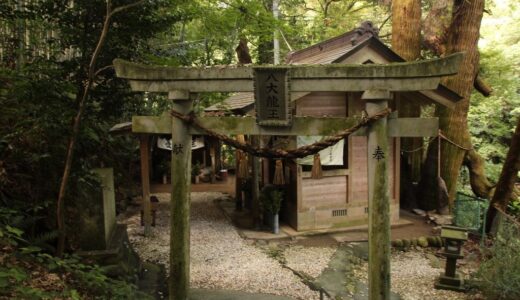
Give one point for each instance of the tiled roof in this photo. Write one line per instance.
(238, 101)
(329, 51)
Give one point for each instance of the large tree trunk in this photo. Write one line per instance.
(406, 28)
(406, 41)
(436, 26)
(507, 180)
(462, 36)
(480, 185)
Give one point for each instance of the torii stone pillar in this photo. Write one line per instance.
(180, 198)
(378, 198)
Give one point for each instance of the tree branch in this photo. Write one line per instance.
(506, 181)
(482, 87)
(480, 185)
(60, 211)
(386, 20)
(102, 70)
(125, 7)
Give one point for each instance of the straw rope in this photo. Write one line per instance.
(300, 152)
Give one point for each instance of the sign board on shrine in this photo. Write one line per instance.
(272, 97)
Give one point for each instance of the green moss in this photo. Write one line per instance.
(398, 243)
(350, 223)
(422, 241)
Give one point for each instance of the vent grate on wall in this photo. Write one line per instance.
(366, 210)
(339, 212)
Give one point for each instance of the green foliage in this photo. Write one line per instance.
(309, 22)
(90, 279)
(500, 274)
(470, 212)
(228, 157)
(41, 81)
(492, 120)
(16, 280)
(271, 198)
(79, 279)
(196, 169)
(514, 207)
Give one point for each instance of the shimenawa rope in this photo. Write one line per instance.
(300, 152)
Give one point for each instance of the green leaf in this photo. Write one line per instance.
(30, 249)
(74, 295)
(14, 230)
(4, 282)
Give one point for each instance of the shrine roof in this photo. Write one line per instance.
(239, 102)
(334, 50)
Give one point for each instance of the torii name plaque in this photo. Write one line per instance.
(272, 97)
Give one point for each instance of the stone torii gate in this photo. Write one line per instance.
(273, 87)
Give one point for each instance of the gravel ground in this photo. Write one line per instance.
(413, 278)
(299, 258)
(220, 258)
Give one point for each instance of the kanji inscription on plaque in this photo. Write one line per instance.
(272, 98)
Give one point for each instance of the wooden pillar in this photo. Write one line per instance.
(378, 198)
(180, 200)
(238, 180)
(212, 157)
(144, 147)
(255, 188)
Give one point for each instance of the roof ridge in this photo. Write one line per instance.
(365, 29)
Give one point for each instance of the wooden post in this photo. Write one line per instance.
(378, 199)
(179, 281)
(238, 179)
(144, 147)
(255, 188)
(212, 157)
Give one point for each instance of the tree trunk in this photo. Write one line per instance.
(406, 28)
(462, 36)
(436, 25)
(406, 41)
(507, 180)
(479, 183)
(242, 51)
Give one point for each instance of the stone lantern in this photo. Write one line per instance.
(453, 239)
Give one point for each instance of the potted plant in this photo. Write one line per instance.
(195, 172)
(164, 169)
(271, 200)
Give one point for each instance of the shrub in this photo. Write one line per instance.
(271, 198)
(499, 276)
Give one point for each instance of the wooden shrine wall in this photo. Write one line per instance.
(340, 198)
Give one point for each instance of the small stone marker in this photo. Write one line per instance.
(98, 214)
(454, 237)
